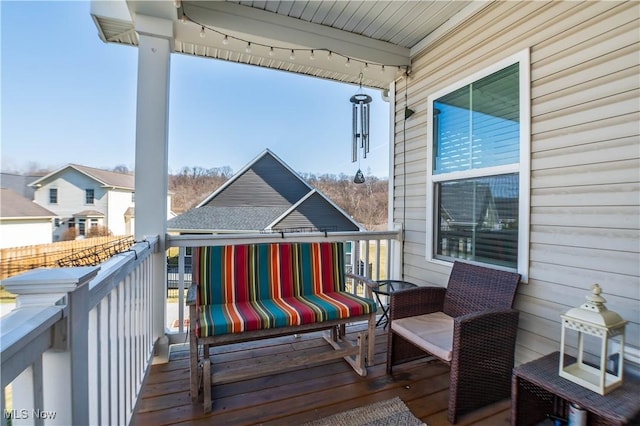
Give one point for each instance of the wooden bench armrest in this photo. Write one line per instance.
(191, 295)
(369, 283)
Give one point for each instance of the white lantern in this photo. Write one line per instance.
(605, 329)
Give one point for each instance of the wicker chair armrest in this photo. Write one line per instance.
(191, 295)
(369, 283)
(416, 301)
(483, 357)
(494, 329)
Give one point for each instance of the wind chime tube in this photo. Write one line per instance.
(366, 128)
(362, 126)
(354, 144)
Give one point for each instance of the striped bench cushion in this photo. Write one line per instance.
(259, 286)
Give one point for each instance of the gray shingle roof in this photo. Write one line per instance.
(14, 205)
(120, 180)
(245, 218)
(104, 177)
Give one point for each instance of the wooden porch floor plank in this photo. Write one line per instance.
(301, 395)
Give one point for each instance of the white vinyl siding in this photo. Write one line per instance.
(24, 232)
(119, 201)
(585, 154)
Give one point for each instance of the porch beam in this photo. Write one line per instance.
(284, 31)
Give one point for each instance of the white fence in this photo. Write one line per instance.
(77, 347)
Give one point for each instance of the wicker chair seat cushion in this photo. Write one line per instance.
(432, 333)
(262, 314)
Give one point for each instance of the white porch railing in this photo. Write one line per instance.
(374, 254)
(77, 347)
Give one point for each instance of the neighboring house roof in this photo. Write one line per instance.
(104, 177)
(89, 213)
(266, 194)
(19, 183)
(15, 206)
(218, 218)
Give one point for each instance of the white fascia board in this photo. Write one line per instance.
(448, 26)
(231, 17)
(112, 9)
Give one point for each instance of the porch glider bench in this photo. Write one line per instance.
(257, 291)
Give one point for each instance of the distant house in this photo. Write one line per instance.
(266, 195)
(83, 197)
(23, 222)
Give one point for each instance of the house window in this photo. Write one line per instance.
(89, 196)
(53, 195)
(133, 197)
(478, 173)
(56, 222)
(82, 226)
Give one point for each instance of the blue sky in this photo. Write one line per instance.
(67, 97)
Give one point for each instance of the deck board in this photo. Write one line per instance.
(301, 395)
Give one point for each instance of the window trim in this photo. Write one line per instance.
(523, 168)
(51, 191)
(86, 196)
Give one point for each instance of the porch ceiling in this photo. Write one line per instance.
(374, 33)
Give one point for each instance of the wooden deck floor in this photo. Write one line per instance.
(302, 395)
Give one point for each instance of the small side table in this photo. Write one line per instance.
(385, 288)
(538, 390)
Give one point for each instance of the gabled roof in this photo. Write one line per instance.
(104, 177)
(89, 213)
(266, 194)
(15, 206)
(266, 180)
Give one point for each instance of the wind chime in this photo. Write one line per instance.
(360, 108)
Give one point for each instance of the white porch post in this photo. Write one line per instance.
(152, 121)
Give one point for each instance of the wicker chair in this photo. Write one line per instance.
(470, 325)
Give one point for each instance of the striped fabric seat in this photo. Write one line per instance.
(260, 286)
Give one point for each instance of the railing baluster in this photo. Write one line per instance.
(181, 256)
(113, 356)
(104, 369)
(23, 397)
(121, 354)
(377, 260)
(94, 365)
